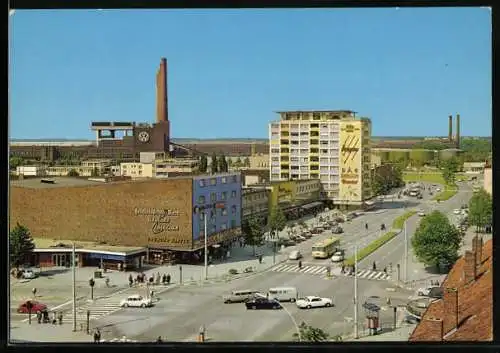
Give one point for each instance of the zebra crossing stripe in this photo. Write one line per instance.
(310, 269)
(362, 273)
(371, 275)
(379, 275)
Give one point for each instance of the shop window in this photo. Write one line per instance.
(233, 209)
(233, 194)
(213, 181)
(201, 199)
(224, 195)
(213, 197)
(223, 211)
(223, 180)
(202, 183)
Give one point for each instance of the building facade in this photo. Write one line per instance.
(331, 146)
(219, 197)
(488, 179)
(136, 170)
(255, 203)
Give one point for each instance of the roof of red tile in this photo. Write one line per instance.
(475, 303)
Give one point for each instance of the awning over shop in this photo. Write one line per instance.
(312, 205)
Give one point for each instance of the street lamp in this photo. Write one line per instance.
(202, 210)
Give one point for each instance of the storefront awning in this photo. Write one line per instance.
(312, 204)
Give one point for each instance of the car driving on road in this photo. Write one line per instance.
(314, 302)
(136, 301)
(431, 291)
(239, 296)
(338, 256)
(295, 255)
(28, 274)
(258, 303)
(35, 308)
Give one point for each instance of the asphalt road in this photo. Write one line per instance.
(179, 313)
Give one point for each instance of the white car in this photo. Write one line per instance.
(295, 255)
(421, 213)
(314, 302)
(425, 291)
(457, 211)
(136, 301)
(337, 257)
(28, 274)
(438, 189)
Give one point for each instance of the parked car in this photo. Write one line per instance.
(314, 302)
(295, 255)
(300, 238)
(427, 291)
(136, 301)
(28, 274)
(337, 230)
(421, 213)
(306, 234)
(338, 256)
(457, 211)
(239, 296)
(286, 242)
(259, 303)
(36, 307)
(419, 197)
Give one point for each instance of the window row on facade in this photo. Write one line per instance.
(213, 197)
(213, 181)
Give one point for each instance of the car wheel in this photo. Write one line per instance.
(254, 307)
(143, 305)
(309, 307)
(292, 300)
(227, 302)
(328, 305)
(125, 305)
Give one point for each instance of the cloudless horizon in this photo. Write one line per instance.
(229, 71)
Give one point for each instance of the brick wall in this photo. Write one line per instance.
(104, 213)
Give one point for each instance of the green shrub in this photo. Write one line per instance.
(424, 177)
(371, 247)
(233, 271)
(447, 193)
(399, 222)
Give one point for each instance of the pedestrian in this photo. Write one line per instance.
(385, 270)
(151, 294)
(151, 280)
(300, 264)
(60, 317)
(159, 340)
(342, 269)
(98, 336)
(164, 279)
(130, 280)
(260, 259)
(39, 317)
(374, 266)
(107, 281)
(168, 278)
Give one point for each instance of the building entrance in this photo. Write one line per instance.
(61, 260)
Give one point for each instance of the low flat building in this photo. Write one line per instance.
(136, 170)
(61, 171)
(165, 167)
(31, 170)
(255, 203)
(466, 311)
(488, 179)
(474, 167)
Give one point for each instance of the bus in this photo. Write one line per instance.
(325, 248)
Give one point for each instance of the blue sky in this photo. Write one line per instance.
(229, 71)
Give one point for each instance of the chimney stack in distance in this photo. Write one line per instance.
(436, 334)
(458, 131)
(450, 128)
(161, 92)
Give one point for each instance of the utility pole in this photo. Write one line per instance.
(206, 244)
(406, 253)
(356, 292)
(74, 287)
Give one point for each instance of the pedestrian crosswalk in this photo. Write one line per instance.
(306, 269)
(118, 340)
(97, 309)
(321, 270)
(370, 274)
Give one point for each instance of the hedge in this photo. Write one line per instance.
(371, 247)
(425, 177)
(398, 222)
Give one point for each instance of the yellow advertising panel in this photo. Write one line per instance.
(282, 192)
(350, 161)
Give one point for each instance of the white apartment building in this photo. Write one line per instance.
(333, 146)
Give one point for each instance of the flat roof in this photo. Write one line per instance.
(316, 111)
(43, 243)
(35, 183)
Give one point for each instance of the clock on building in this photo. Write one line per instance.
(143, 136)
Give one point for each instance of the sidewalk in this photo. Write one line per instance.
(24, 332)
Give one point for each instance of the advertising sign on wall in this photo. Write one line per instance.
(350, 162)
(163, 226)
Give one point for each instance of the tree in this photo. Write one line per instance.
(237, 163)
(311, 334)
(436, 241)
(15, 162)
(213, 164)
(246, 162)
(20, 244)
(253, 232)
(229, 163)
(203, 164)
(276, 221)
(480, 209)
(386, 177)
(449, 169)
(73, 173)
(222, 164)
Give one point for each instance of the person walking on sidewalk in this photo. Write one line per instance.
(97, 336)
(374, 266)
(130, 280)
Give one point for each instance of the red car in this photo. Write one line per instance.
(37, 306)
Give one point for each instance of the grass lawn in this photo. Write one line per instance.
(371, 247)
(447, 193)
(424, 177)
(398, 222)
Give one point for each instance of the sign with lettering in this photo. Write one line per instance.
(218, 237)
(162, 221)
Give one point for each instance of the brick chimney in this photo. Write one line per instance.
(470, 269)
(458, 131)
(477, 248)
(450, 128)
(436, 332)
(450, 315)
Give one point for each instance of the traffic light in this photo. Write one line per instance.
(91, 282)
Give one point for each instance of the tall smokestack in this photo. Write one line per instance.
(161, 92)
(458, 131)
(450, 128)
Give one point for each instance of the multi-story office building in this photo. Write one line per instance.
(332, 146)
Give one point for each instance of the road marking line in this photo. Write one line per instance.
(380, 274)
(362, 273)
(371, 275)
(311, 269)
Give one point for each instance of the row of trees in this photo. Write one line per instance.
(20, 245)
(221, 164)
(480, 210)
(386, 177)
(449, 169)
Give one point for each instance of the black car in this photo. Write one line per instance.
(262, 303)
